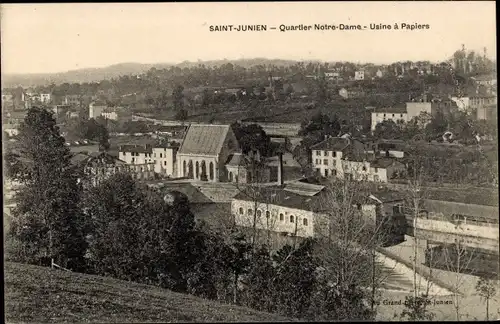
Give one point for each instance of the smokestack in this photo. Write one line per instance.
(280, 169)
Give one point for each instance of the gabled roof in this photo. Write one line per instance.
(236, 159)
(305, 189)
(204, 139)
(281, 197)
(332, 144)
(136, 148)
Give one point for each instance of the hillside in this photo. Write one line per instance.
(37, 294)
(116, 70)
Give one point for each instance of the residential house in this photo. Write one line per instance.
(140, 159)
(488, 80)
(73, 100)
(381, 169)
(204, 152)
(359, 75)
(45, 98)
(165, 158)
(96, 109)
(397, 113)
(100, 166)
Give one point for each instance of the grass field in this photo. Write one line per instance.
(41, 295)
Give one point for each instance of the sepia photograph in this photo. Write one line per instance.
(250, 162)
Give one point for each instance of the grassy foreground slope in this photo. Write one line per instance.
(37, 294)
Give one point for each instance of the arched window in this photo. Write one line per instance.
(190, 170)
(197, 170)
(241, 210)
(282, 218)
(304, 221)
(250, 212)
(203, 171)
(211, 170)
(230, 176)
(259, 213)
(291, 218)
(184, 169)
(268, 214)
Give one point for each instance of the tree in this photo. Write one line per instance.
(239, 260)
(295, 279)
(252, 137)
(259, 291)
(181, 115)
(178, 97)
(387, 129)
(486, 288)
(47, 220)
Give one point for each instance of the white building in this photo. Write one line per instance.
(281, 210)
(140, 158)
(359, 75)
(463, 103)
(376, 170)
(204, 152)
(96, 109)
(396, 113)
(165, 159)
(45, 97)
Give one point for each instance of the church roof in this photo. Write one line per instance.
(204, 139)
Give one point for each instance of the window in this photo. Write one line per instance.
(155, 155)
(241, 211)
(401, 115)
(161, 155)
(259, 213)
(334, 154)
(165, 163)
(364, 168)
(291, 218)
(325, 153)
(282, 218)
(250, 212)
(384, 115)
(392, 115)
(268, 214)
(376, 170)
(304, 221)
(318, 153)
(133, 160)
(325, 162)
(326, 173)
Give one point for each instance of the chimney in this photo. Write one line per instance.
(280, 169)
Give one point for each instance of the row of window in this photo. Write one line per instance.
(146, 154)
(325, 162)
(393, 115)
(326, 153)
(268, 214)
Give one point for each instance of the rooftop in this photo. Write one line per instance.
(399, 108)
(382, 163)
(204, 139)
(332, 144)
(136, 148)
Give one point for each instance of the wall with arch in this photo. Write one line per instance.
(200, 168)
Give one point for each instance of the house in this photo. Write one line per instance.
(99, 166)
(396, 113)
(45, 98)
(204, 152)
(165, 158)
(96, 109)
(140, 159)
(478, 101)
(327, 155)
(373, 169)
(359, 75)
(486, 80)
(379, 74)
(73, 100)
(247, 168)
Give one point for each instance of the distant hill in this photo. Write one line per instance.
(116, 70)
(40, 295)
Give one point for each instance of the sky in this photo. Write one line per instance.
(48, 38)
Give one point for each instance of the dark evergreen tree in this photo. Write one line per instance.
(48, 223)
(259, 285)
